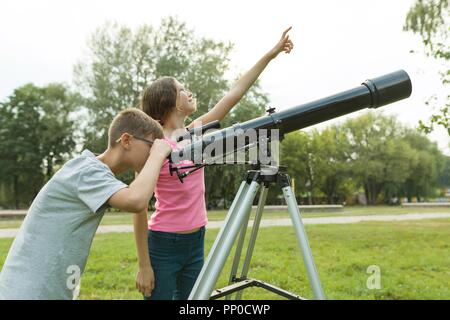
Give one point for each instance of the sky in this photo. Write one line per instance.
(338, 45)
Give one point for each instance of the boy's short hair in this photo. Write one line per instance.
(135, 122)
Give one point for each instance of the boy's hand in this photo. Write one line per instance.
(285, 44)
(145, 281)
(160, 148)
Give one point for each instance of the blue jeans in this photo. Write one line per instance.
(176, 261)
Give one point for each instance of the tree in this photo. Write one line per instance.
(299, 154)
(373, 152)
(428, 167)
(391, 161)
(36, 132)
(57, 126)
(378, 158)
(332, 168)
(444, 176)
(431, 19)
(399, 162)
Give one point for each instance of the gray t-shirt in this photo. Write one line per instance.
(50, 251)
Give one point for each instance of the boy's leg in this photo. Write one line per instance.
(191, 270)
(166, 264)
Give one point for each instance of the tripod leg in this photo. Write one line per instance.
(220, 250)
(242, 191)
(238, 253)
(303, 243)
(252, 241)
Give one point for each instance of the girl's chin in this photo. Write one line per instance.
(194, 105)
(192, 110)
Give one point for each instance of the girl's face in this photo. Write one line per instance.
(186, 103)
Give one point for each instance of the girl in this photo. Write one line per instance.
(176, 230)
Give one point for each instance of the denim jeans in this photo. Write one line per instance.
(176, 261)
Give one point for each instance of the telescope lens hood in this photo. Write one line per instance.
(389, 88)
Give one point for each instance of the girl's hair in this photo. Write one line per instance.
(159, 98)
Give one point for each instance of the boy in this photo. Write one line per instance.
(50, 251)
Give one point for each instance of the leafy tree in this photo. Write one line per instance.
(431, 19)
(35, 136)
(332, 167)
(389, 161)
(399, 161)
(20, 149)
(444, 176)
(376, 156)
(57, 126)
(373, 152)
(428, 166)
(298, 153)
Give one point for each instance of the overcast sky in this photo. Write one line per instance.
(338, 44)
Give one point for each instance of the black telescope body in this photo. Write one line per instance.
(372, 93)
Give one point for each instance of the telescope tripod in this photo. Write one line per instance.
(237, 221)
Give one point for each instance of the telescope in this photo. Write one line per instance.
(372, 93)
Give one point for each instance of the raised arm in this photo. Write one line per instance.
(135, 198)
(221, 109)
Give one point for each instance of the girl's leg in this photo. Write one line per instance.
(191, 269)
(166, 264)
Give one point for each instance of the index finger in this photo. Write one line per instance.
(287, 30)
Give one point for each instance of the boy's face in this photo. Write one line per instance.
(138, 150)
(142, 150)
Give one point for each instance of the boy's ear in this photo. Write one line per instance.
(125, 140)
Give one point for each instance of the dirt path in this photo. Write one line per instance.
(11, 233)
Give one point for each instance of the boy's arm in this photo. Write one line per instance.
(135, 198)
(224, 106)
(145, 279)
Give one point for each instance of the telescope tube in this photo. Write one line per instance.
(372, 93)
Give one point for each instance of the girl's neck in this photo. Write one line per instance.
(173, 124)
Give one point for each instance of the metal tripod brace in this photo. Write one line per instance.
(237, 221)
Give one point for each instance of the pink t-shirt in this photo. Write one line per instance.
(179, 206)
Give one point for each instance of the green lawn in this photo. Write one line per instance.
(215, 215)
(414, 258)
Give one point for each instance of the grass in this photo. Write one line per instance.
(413, 257)
(216, 215)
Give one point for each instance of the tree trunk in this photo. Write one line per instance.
(366, 192)
(49, 167)
(16, 191)
(372, 194)
(331, 191)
